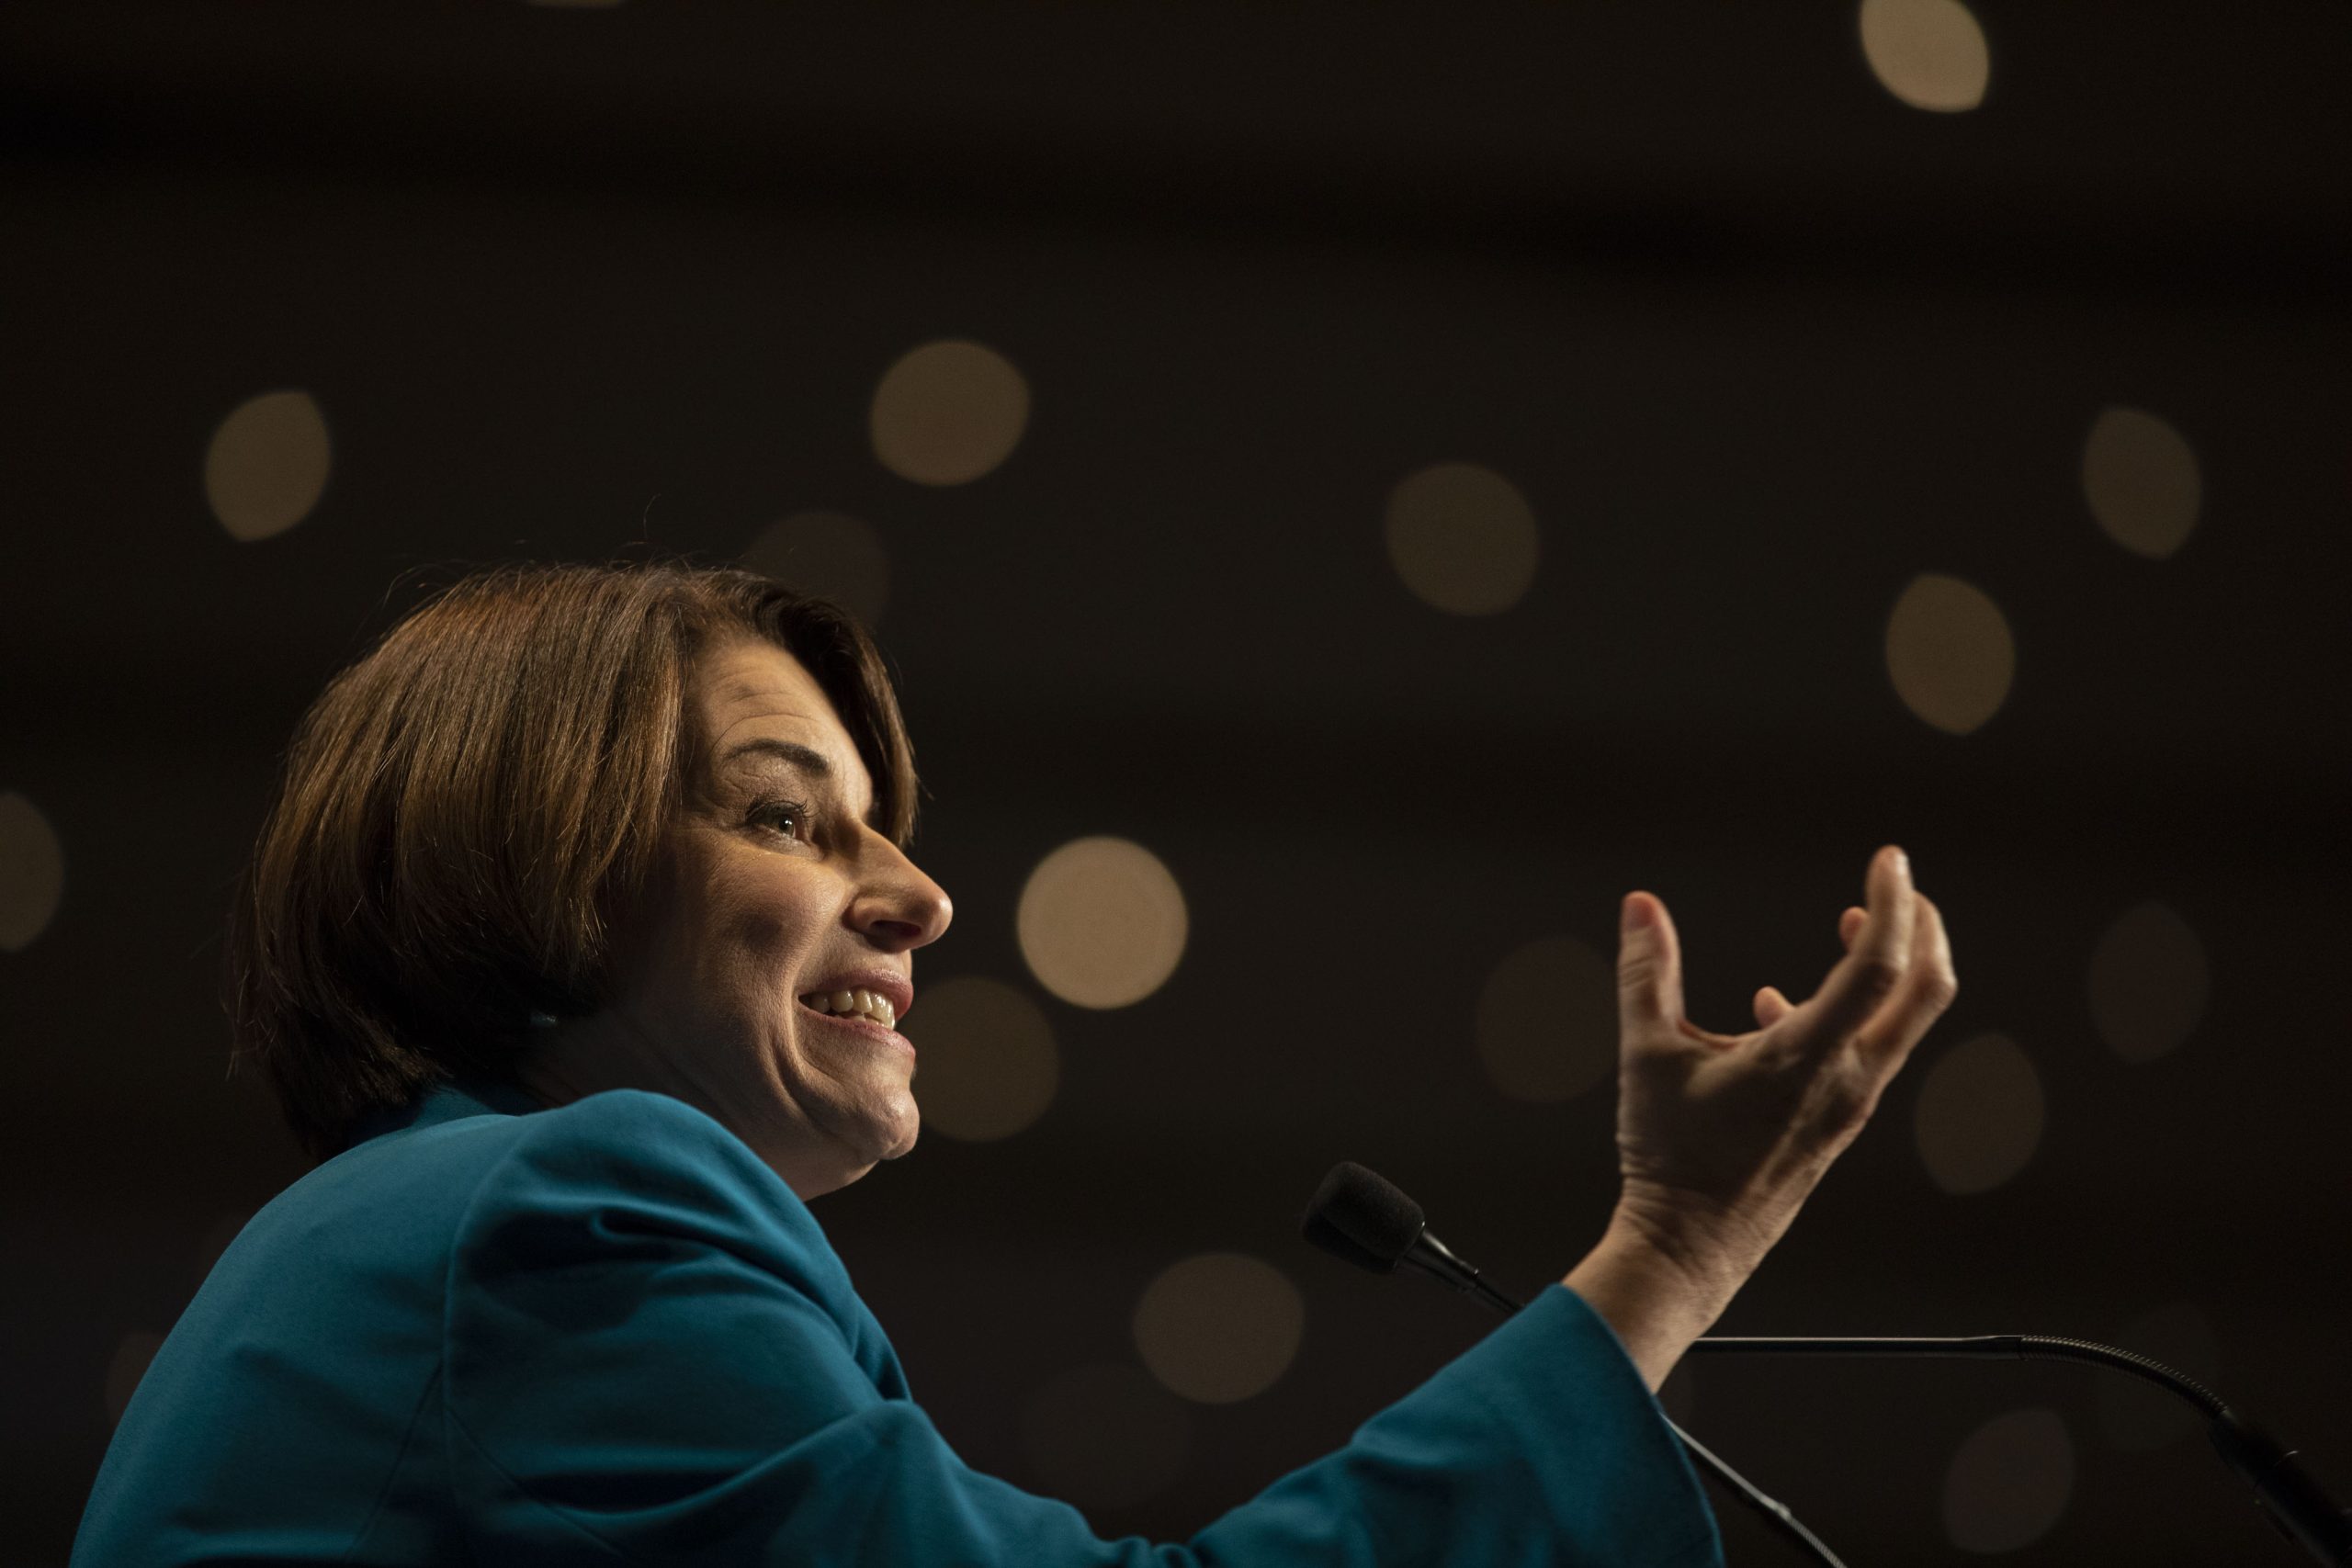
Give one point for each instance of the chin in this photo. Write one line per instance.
(881, 1133)
(905, 1145)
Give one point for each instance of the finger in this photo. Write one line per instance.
(1862, 980)
(1649, 964)
(1771, 1007)
(1928, 988)
(1848, 923)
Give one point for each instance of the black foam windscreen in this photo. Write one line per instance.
(1367, 1210)
(1340, 1245)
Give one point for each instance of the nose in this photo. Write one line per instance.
(896, 907)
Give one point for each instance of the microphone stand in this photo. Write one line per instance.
(1438, 1261)
(2286, 1494)
(1365, 1219)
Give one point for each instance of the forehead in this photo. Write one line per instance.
(756, 706)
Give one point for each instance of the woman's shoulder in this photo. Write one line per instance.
(484, 1178)
(469, 1128)
(645, 1138)
(602, 1197)
(642, 1124)
(626, 1169)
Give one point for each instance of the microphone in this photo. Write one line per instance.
(1362, 1218)
(1368, 1220)
(1365, 1220)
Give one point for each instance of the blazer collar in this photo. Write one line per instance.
(452, 1100)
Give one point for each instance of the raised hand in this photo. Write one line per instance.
(1721, 1137)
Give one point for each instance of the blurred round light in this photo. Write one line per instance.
(1547, 1020)
(1979, 1114)
(1101, 922)
(947, 412)
(829, 554)
(268, 465)
(2010, 1481)
(1948, 653)
(1219, 1328)
(1462, 538)
(1929, 53)
(127, 1366)
(2136, 1415)
(2149, 983)
(985, 1065)
(32, 873)
(1103, 1437)
(2142, 482)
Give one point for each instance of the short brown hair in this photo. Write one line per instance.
(464, 809)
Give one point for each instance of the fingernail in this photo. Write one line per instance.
(1636, 914)
(1902, 860)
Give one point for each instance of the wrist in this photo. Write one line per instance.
(1656, 1299)
(1712, 1247)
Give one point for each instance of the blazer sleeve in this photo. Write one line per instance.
(652, 1356)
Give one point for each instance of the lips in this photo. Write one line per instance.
(859, 1003)
(859, 1023)
(874, 992)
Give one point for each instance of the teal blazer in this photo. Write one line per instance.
(605, 1333)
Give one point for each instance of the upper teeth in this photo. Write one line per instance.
(871, 1004)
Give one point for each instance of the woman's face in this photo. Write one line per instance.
(773, 905)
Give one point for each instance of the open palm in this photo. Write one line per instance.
(1721, 1137)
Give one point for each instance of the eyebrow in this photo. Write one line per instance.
(806, 757)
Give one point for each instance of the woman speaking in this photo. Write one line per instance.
(573, 947)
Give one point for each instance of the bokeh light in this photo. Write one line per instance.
(1219, 1328)
(1547, 1020)
(1979, 1114)
(1462, 538)
(268, 465)
(33, 872)
(829, 554)
(2149, 983)
(1929, 53)
(2135, 1415)
(2010, 1481)
(1101, 922)
(948, 413)
(1103, 1437)
(1950, 653)
(127, 1366)
(2141, 479)
(985, 1063)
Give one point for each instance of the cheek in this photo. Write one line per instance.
(764, 931)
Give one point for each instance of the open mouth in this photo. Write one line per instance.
(856, 1008)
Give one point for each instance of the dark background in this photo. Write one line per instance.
(1758, 342)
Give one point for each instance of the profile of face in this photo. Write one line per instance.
(761, 977)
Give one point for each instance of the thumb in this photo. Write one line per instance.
(1649, 964)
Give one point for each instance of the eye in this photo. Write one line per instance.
(788, 818)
